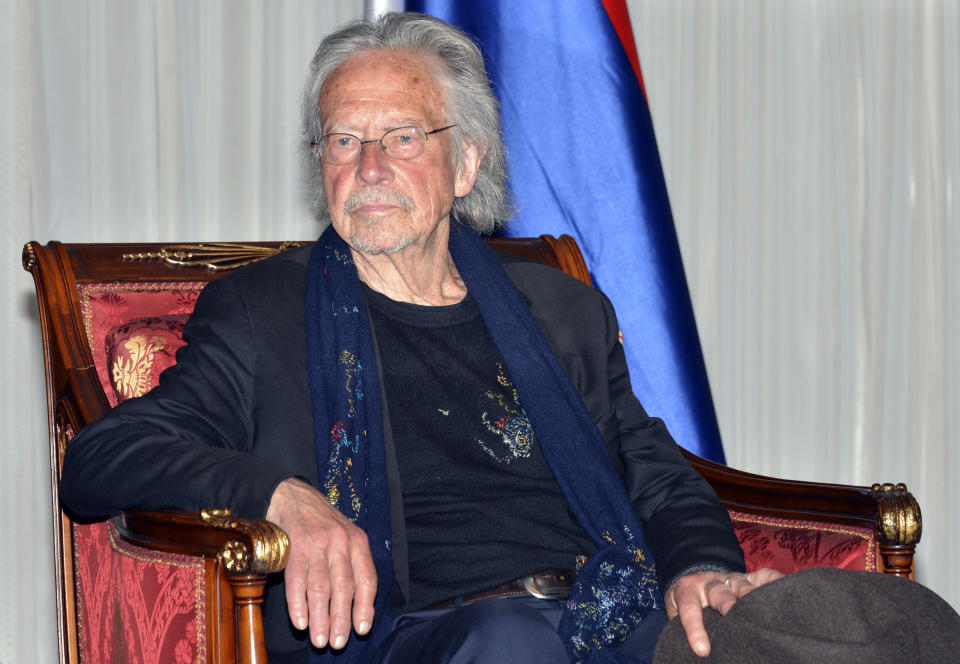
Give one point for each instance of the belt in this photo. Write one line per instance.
(548, 584)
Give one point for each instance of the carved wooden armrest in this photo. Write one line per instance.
(243, 546)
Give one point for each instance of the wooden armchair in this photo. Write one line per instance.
(187, 587)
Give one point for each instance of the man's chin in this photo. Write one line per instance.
(378, 246)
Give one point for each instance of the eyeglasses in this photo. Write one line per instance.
(400, 143)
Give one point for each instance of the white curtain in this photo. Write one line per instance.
(122, 121)
(811, 151)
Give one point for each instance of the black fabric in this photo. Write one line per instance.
(481, 506)
(826, 615)
(519, 630)
(232, 419)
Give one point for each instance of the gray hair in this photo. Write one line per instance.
(469, 101)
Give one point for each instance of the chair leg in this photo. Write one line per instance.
(248, 596)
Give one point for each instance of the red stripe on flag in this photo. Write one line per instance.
(620, 18)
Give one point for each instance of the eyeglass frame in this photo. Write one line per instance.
(317, 147)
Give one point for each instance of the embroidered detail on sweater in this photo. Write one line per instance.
(508, 422)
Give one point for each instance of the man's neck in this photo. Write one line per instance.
(416, 274)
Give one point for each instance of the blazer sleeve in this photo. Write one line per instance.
(187, 443)
(685, 524)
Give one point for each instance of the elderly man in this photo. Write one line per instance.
(448, 436)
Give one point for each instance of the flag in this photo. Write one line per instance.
(583, 160)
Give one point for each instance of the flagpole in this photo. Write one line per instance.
(373, 8)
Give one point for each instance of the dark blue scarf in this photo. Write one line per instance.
(616, 588)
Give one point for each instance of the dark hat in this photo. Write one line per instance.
(826, 615)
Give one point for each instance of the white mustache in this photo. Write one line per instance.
(376, 195)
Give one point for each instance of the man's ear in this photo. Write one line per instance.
(466, 177)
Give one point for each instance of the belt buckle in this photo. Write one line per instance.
(530, 585)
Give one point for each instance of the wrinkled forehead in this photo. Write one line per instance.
(400, 80)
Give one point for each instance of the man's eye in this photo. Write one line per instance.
(344, 141)
(403, 139)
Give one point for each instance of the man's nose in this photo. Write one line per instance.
(374, 165)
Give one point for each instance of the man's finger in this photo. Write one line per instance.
(763, 576)
(365, 578)
(741, 584)
(722, 594)
(691, 617)
(671, 602)
(341, 600)
(295, 578)
(318, 600)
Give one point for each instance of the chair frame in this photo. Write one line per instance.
(239, 554)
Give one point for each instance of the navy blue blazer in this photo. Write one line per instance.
(232, 419)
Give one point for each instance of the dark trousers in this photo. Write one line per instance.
(519, 630)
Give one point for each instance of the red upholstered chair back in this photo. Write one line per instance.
(134, 330)
(132, 603)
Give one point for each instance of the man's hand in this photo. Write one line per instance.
(690, 594)
(330, 567)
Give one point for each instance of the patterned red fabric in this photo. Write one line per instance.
(788, 545)
(136, 605)
(133, 604)
(108, 307)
